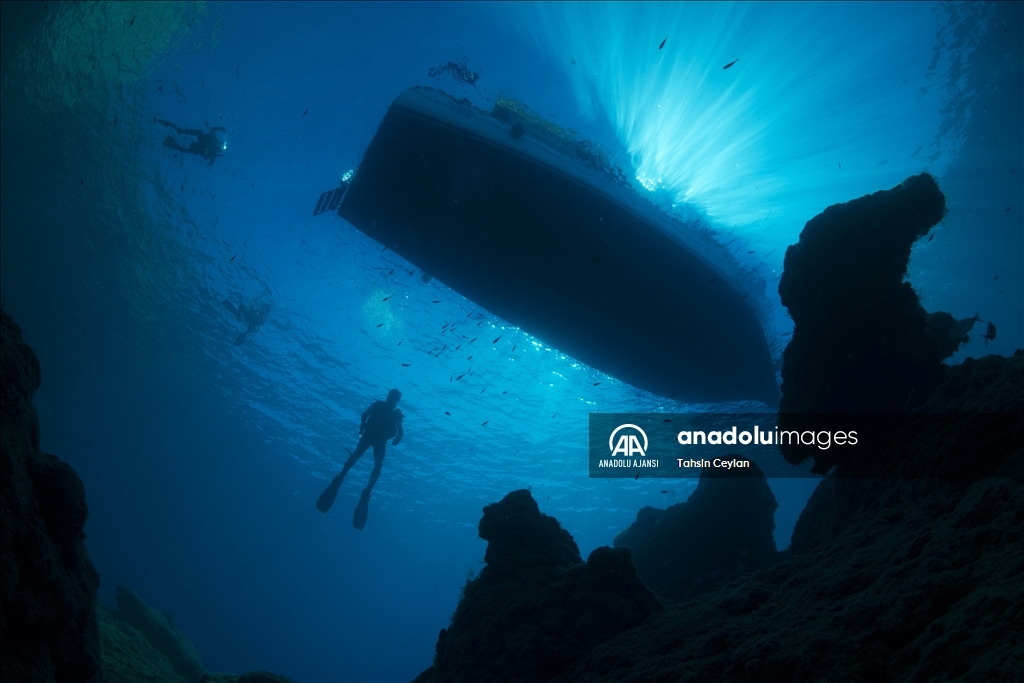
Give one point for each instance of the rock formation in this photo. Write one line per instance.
(53, 630)
(536, 608)
(159, 630)
(725, 527)
(47, 582)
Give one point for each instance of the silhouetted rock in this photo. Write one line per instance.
(47, 582)
(887, 579)
(725, 527)
(251, 677)
(861, 342)
(128, 657)
(159, 629)
(536, 608)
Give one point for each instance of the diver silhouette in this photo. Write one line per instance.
(381, 421)
(252, 315)
(207, 145)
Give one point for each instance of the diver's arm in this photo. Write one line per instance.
(398, 434)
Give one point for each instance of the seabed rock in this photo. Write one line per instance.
(726, 527)
(47, 581)
(536, 609)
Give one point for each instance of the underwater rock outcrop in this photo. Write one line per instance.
(159, 630)
(128, 656)
(887, 579)
(725, 527)
(862, 342)
(536, 608)
(47, 581)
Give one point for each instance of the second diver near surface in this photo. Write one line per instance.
(380, 422)
(207, 145)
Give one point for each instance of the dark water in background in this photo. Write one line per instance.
(202, 460)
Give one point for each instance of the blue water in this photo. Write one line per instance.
(202, 460)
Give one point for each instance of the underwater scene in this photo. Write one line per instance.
(366, 342)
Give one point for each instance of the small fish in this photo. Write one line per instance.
(840, 165)
(115, 123)
(436, 301)
(596, 383)
(637, 476)
(380, 324)
(405, 365)
(666, 420)
(483, 390)
(305, 112)
(485, 422)
(385, 298)
(664, 491)
(232, 259)
(496, 339)
(480, 323)
(82, 180)
(1007, 208)
(458, 347)
(460, 377)
(594, 259)
(731, 63)
(995, 278)
(931, 237)
(470, 357)
(183, 187)
(447, 413)
(473, 339)
(554, 415)
(515, 345)
(750, 252)
(392, 272)
(445, 347)
(503, 393)
(663, 43)
(990, 334)
(962, 327)
(712, 281)
(399, 343)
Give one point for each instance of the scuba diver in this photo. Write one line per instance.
(381, 421)
(207, 145)
(252, 315)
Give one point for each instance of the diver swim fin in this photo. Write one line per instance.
(326, 500)
(241, 338)
(363, 509)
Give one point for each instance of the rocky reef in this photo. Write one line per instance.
(142, 644)
(53, 629)
(536, 608)
(861, 340)
(905, 564)
(726, 527)
(47, 582)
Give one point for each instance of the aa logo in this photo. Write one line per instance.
(627, 444)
